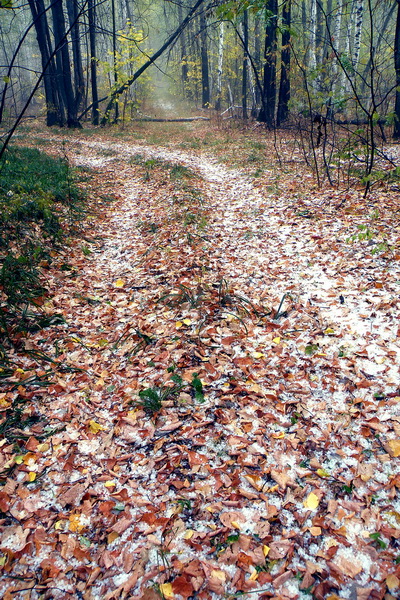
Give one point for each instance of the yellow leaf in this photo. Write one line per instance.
(315, 531)
(119, 283)
(311, 501)
(276, 340)
(29, 458)
(392, 581)
(235, 524)
(393, 447)
(329, 331)
(75, 523)
(322, 473)
(188, 534)
(95, 427)
(59, 525)
(258, 355)
(178, 324)
(255, 481)
(187, 321)
(109, 483)
(166, 590)
(3, 560)
(31, 476)
(266, 550)
(43, 447)
(254, 575)
(19, 460)
(112, 537)
(278, 436)
(219, 575)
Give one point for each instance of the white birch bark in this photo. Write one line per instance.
(336, 43)
(221, 33)
(313, 34)
(358, 21)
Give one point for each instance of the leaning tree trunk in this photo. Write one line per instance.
(267, 113)
(151, 60)
(396, 131)
(284, 86)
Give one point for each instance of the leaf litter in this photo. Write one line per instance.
(229, 421)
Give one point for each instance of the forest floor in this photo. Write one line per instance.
(225, 400)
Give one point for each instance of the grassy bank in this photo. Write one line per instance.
(40, 203)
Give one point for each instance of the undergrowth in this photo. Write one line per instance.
(39, 202)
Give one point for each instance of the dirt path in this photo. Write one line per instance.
(284, 479)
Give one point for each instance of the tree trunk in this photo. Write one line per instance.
(244, 68)
(54, 113)
(396, 131)
(114, 43)
(93, 61)
(64, 78)
(79, 79)
(312, 52)
(205, 77)
(148, 63)
(184, 58)
(284, 86)
(220, 65)
(257, 55)
(267, 113)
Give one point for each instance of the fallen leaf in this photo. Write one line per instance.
(311, 502)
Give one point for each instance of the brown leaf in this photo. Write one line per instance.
(72, 494)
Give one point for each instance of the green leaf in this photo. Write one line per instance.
(377, 538)
(311, 348)
(198, 388)
(85, 541)
(232, 538)
(177, 379)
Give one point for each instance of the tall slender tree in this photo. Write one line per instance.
(205, 75)
(396, 131)
(267, 113)
(245, 24)
(284, 84)
(93, 61)
(54, 112)
(79, 79)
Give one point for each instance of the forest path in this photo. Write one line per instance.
(275, 480)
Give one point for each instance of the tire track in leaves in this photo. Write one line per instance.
(276, 474)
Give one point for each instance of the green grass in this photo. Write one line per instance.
(39, 201)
